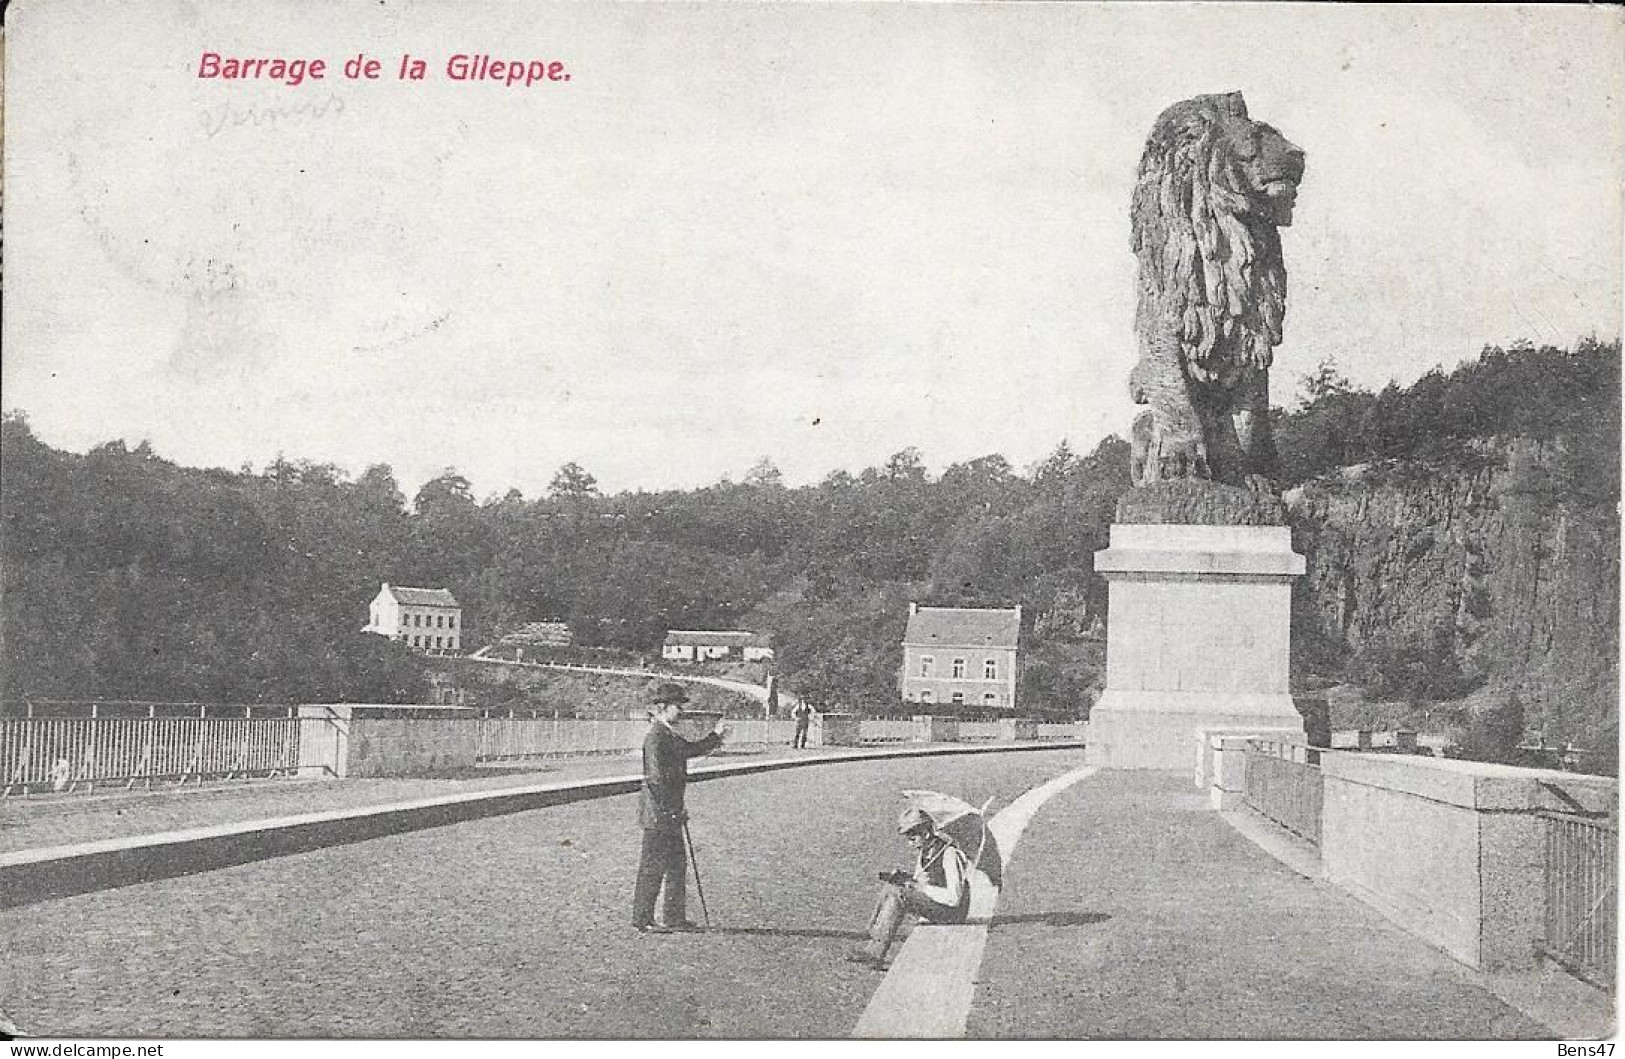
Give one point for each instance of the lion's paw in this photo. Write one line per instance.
(1182, 458)
(1259, 484)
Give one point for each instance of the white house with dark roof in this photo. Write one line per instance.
(429, 619)
(698, 645)
(963, 655)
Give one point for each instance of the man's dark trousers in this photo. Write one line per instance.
(663, 861)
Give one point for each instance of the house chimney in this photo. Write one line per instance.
(913, 608)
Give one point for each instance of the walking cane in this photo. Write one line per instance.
(695, 864)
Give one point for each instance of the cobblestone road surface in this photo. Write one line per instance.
(515, 926)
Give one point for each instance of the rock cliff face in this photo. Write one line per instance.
(1488, 569)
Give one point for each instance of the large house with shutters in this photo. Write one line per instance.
(961, 655)
(690, 645)
(429, 619)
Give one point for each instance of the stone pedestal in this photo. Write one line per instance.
(1199, 638)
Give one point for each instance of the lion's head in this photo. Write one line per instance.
(1213, 187)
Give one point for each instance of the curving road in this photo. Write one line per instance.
(756, 692)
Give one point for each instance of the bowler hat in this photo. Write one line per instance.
(912, 820)
(672, 693)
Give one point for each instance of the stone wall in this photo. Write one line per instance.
(344, 741)
(835, 729)
(1451, 850)
(929, 728)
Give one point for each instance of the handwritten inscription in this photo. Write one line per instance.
(462, 67)
(230, 115)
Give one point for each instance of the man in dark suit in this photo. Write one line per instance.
(663, 865)
(803, 715)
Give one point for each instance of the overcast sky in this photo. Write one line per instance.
(816, 233)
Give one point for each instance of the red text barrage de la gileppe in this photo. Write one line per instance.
(512, 73)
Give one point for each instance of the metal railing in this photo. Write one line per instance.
(761, 733)
(1581, 878)
(1283, 782)
(65, 754)
(68, 754)
(886, 730)
(506, 739)
(17, 709)
(517, 738)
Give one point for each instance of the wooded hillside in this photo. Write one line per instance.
(126, 576)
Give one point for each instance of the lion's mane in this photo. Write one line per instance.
(1207, 273)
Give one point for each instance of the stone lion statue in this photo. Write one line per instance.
(1213, 188)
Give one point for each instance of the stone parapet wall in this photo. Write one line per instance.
(1451, 850)
(933, 729)
(1012, 728)
(345, 741)
(836, 729)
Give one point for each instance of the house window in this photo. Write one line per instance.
(440, 621)
(959, 669)
(959, 698)
(926, 696)
(928, 666)
(451, 622)
(989, 699)
(417, 620)
(990, 669)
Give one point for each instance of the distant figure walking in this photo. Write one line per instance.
(663, 864)
(937, 891)
(803, 715)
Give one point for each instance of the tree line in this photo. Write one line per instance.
(127, 576)
(1520, 390)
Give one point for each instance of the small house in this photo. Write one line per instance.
(429, 619)
(961, 655)
(690, 645)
